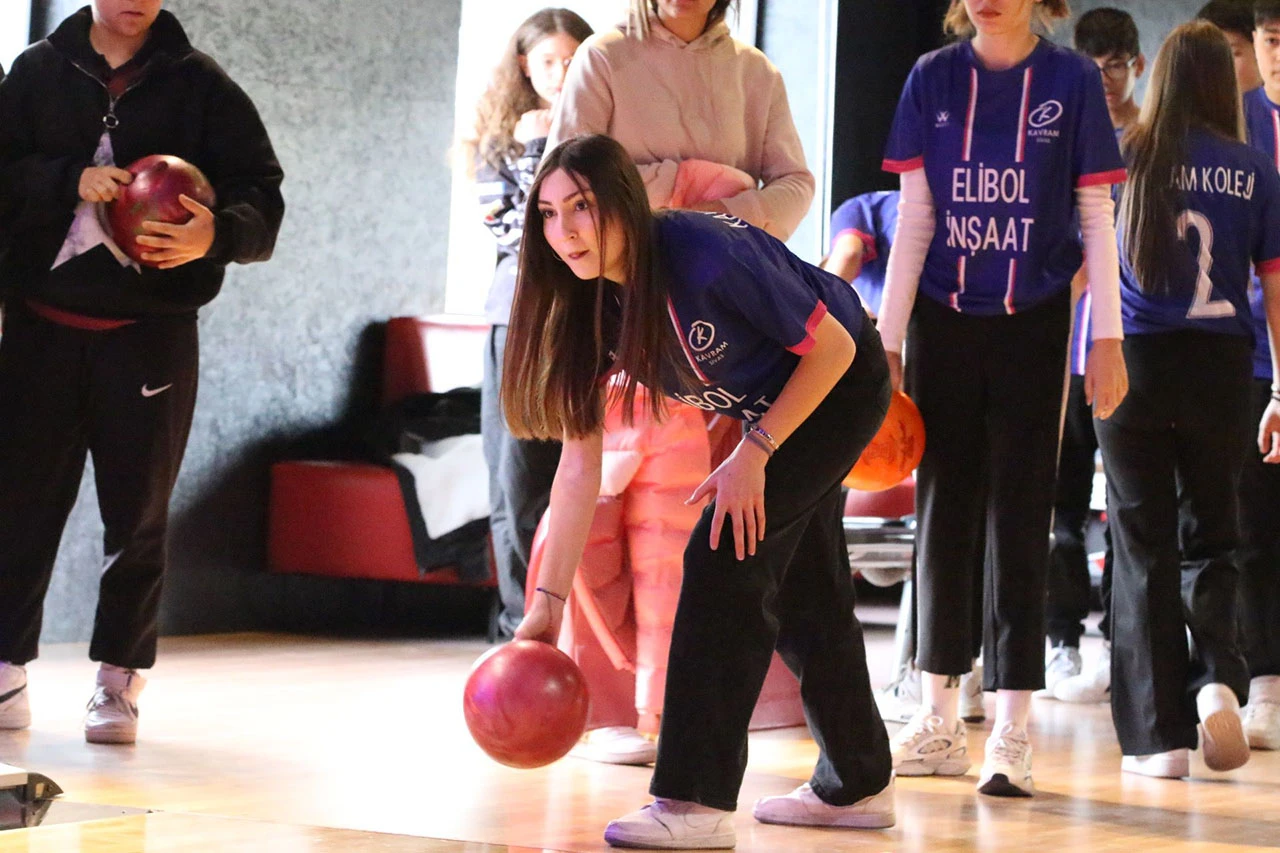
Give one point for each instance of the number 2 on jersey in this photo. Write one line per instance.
(1204, 306)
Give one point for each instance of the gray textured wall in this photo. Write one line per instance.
(358, 98)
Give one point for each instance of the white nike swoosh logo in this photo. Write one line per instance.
(151, 392)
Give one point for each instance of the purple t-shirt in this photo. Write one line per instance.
(1003, 152)
(1262, 119)
(873, 219)
(1229, 220)
(745, 309)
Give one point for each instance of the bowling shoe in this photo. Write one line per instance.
(113, 710)
(803, 807)
(673, 825)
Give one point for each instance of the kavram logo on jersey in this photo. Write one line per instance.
(1039, 119)
(701, 335)
(944, 119)
(1045, 114)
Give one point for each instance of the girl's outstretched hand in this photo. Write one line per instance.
(738, 486)
(542, 622)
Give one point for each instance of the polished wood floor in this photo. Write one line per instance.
(258, 742)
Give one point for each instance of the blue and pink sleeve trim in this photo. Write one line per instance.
(802, 348)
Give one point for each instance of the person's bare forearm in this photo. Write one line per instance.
(817, 373)
(572, 508)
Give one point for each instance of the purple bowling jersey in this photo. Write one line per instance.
(1262, 120)
(1229, 219)
(1003, 152)
(873, 219)
(744, 308)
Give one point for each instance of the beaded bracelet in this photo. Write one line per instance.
(760, 443)
(756, 429)
(554, 595)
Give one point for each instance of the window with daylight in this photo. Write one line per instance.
(15, 26)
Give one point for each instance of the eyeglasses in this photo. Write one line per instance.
(1117, 71)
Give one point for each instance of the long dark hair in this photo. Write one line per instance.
(1193, 85)
(557, 352)
(510, 94)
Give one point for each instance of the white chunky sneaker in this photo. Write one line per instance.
(1261, 724)
(1088, 688)
(971, 707)
(924, 747)
(1006, 770)
(673, 825)
(1174, 764)
(1222, 738)
(1062, 662)
(113, 710)
(15, 709)
(900, 701)
(616, 745)
(802, 807)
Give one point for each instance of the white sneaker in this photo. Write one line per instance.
(616, 745)
(1174, 764)
(900, 701)
(673, 825)
(15, 708)
(924, 747)
(971, 707)
(1006, 770)
(1261, 724)
(1088, 688)
(802, 807)
(1062, 662)
(1222, 738)
(113, 710)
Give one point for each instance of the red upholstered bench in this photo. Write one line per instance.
(345, 519)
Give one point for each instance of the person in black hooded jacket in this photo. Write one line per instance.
(99, 354)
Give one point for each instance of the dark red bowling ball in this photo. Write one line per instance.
(158, 180)
(525, 703)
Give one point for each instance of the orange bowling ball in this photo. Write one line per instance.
(525, 703)
(894, 452)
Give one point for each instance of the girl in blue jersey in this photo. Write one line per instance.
(1200, 208)
(719, 315)
(1006, 155)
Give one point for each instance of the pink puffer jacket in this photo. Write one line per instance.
(618, 620)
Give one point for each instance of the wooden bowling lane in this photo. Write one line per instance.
(307, 742)
(184, 833)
